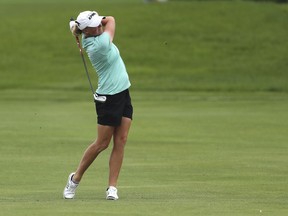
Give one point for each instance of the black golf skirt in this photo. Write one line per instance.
(114, 108)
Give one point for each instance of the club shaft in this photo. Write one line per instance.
(85, 65)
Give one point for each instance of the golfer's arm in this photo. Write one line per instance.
(109, 26)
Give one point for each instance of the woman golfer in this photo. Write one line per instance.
(114, 108)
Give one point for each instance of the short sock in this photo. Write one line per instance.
(73, 180)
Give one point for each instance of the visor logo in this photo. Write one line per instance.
(91, 15)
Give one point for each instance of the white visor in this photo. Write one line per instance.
(88, 19)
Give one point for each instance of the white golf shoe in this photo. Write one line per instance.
(69, 190)
(111, 193)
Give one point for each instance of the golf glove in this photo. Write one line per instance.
(73, 28)
(72, 25)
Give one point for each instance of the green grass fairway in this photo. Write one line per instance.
(188, 154)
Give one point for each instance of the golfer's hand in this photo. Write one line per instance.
(72, 25)
(73, 28)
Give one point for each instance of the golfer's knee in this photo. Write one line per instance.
(102, 144)
(121, 140)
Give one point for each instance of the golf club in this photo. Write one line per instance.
(96, 97)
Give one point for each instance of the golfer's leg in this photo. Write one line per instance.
(117, 154)
(104, 136)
